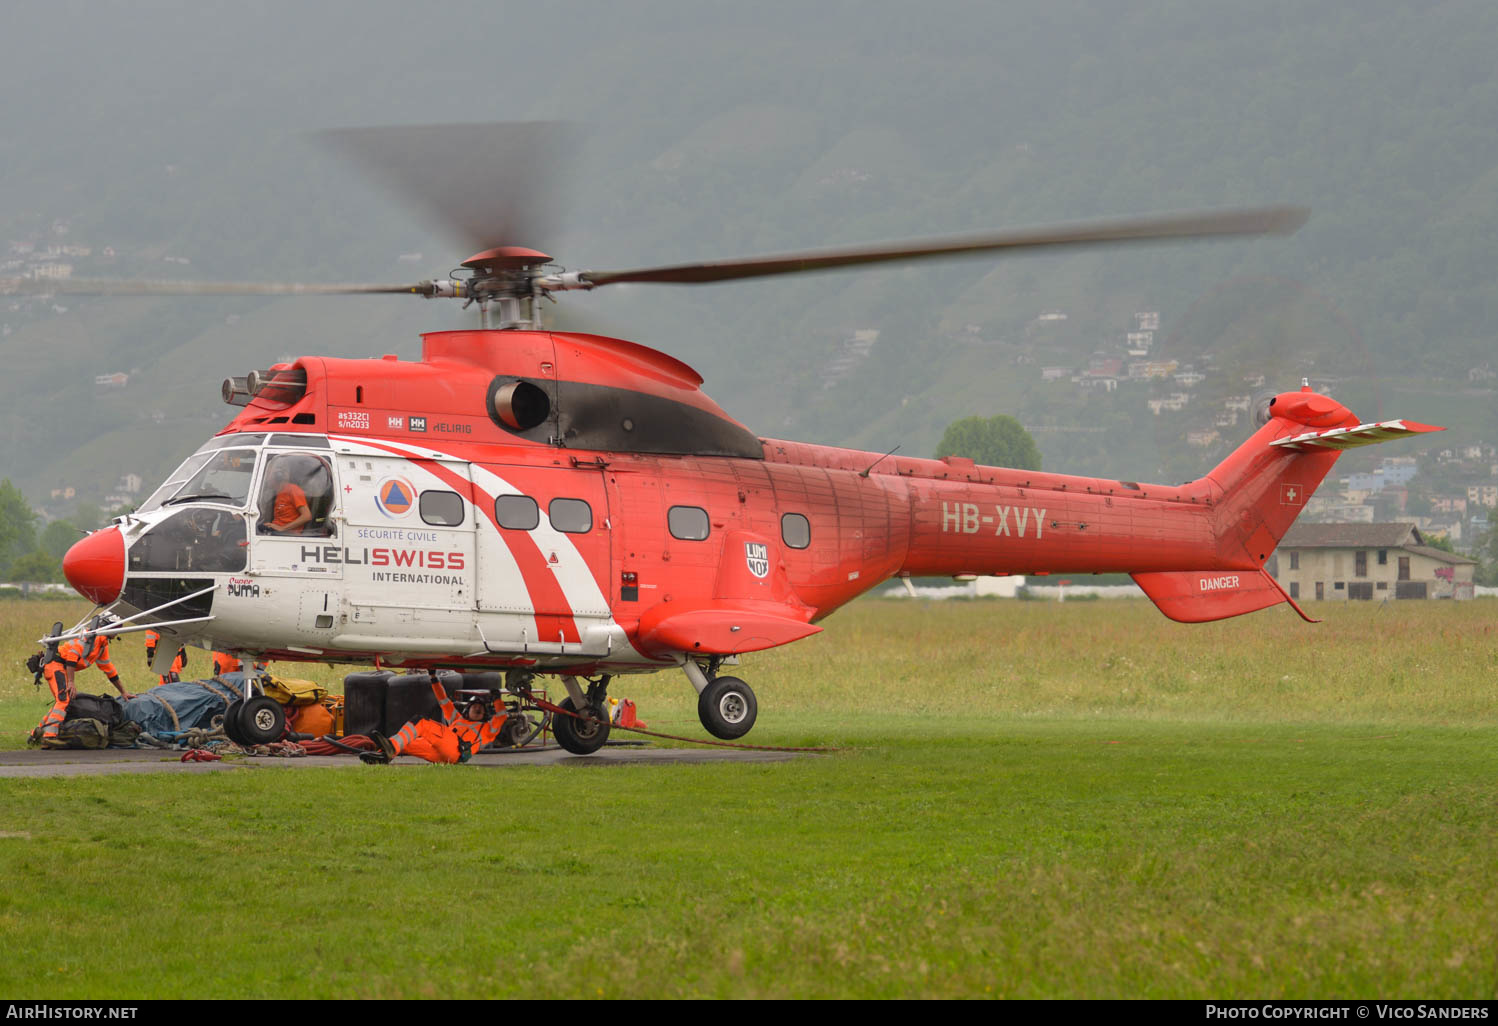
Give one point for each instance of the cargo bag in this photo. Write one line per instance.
(292, 692)
(104, 708)
(80, 732)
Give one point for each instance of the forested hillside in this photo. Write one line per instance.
(172, 143)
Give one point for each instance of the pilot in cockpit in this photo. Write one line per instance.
(289, 513)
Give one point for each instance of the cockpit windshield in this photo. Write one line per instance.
(221, 477)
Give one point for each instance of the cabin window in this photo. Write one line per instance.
(296, 496)
(795, 530)
(571, 516)
(688, 523)
(517, 512)
(441, 509)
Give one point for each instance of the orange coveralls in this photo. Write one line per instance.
(153, 638)
(442, 742)
(224, 663)
(71, 657)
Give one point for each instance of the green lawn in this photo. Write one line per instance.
(1030, 800)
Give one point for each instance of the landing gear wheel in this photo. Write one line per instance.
(231, 721)
(727, 708)
(576, 736)
(261, 721)
(519, 730)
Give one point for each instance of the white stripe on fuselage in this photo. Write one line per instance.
(579, 587)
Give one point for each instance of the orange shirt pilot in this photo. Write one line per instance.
(290, 513)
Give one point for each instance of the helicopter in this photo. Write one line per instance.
(545, 502)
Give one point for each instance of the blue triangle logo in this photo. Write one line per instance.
(396, 497)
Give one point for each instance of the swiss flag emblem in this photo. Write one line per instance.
(1292, 495)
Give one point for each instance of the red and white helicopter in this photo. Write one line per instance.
(548, 502)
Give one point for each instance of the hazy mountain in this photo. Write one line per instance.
(174, 138)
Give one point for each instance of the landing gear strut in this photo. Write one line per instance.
(725, 705)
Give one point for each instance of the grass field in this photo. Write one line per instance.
(1030, 800)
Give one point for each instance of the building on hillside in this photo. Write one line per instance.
(1482, 495)
(1367, 562)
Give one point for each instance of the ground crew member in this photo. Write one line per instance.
(290, 513)
(92, 649)
(172, 676)
(226, 664)
(455, 739)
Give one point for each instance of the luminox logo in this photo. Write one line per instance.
(969, 518)
(238, 588)
(757, 555)
(1219, 583)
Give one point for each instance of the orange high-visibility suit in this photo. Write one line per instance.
(153, 638)
(73, 655)
(224, 663)
(453, 740)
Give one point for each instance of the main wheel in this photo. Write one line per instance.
(576, 736)
(727, 708)
(261, 721)
(231, 721)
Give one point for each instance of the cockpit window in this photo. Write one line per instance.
(192, 541)
(238, 440)
(222, 477)
(296, 496)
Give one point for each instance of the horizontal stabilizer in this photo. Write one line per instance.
(1196, 596)
(1351, 438)
(719, 629)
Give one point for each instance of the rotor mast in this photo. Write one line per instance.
(506, 276)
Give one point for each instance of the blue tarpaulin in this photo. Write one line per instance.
(184, 705)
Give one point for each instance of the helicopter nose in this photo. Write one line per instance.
(95, 566)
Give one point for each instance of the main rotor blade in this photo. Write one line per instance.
(492, 184)
(152, 287)
(1194, 224)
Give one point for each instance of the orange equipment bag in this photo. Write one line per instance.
(316, 720)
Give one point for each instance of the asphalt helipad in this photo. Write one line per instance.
(71, 763)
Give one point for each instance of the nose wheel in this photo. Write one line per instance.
(727, 708)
